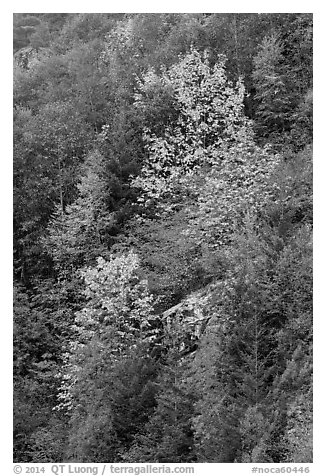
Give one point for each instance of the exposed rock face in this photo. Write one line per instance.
(187, 321)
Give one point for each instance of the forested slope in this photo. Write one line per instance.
(163, 237)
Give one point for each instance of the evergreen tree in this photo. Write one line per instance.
(167, 436)
(274, 102)
(79, 234)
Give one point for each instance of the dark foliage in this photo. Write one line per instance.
(170, 323)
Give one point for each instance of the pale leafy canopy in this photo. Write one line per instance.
(208, 153)
(210, 114)
(117, 317)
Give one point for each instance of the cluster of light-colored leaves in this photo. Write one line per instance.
(211, 107)
(210, 114)
(117, 297)
(120, 37)
(117, 317)
(207, 158)
(240, 181)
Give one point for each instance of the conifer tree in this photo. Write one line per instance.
(168, 436)
(272, 92)
(78, 234)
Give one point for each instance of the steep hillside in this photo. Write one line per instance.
(163, 237)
